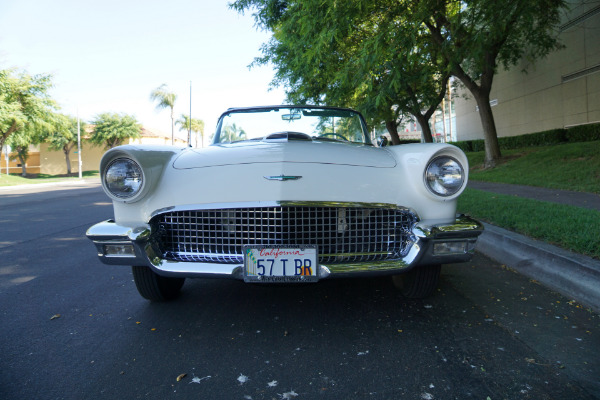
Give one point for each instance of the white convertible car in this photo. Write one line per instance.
(285, 194)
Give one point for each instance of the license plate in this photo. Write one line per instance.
(281, 264)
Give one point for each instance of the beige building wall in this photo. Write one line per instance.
(14, 164)
(559, 91)
(53, 162)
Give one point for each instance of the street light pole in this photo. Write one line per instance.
(190, 127)
(79, 145)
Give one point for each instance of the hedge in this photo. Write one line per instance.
(579, 133)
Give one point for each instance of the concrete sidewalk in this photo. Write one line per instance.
(571, 274)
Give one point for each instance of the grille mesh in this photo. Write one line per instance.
(341, 235)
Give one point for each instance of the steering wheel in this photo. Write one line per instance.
(334, 134)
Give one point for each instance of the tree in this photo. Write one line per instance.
(22, 139)
(477, 36)
(112, 129)
(24, 104)
(197, 127)
(469, 39)
(231, 133)
(64, 136)
(165, 98)
(366, 55)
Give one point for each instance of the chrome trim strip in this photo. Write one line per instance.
(270, 203)
(282, 178)
(463, 225)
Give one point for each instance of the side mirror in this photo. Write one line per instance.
(382, 141)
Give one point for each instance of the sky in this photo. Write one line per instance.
(107, 56)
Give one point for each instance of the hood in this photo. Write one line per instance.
(313, 152)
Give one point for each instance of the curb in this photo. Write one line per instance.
(70, 182)
(573, 275)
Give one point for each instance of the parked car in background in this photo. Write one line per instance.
(286, 193)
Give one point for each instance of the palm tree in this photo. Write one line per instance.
(165, 99)
(197, 126)
(231, 133)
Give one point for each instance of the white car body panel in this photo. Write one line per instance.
(392, 175)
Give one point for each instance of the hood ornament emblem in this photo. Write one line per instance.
(282, 178)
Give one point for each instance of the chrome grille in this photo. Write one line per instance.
(341, 235)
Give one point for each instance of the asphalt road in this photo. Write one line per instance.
(73, 328)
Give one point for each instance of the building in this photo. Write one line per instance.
(559, 91)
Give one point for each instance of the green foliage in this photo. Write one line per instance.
(165, 99)
(25, 105)
(64, 134)
(478, 36)
(537, 219)
(391, 57)
(360, 54)
(232, 133)
(197, 126)
(112, 129)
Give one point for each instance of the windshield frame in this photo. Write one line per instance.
(259, 109)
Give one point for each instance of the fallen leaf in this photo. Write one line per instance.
(196, 379)
(180, 377)
(242, 379)
(55, 316)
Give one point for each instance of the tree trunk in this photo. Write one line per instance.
(392, 128)
(67, 151)
(481, 93)
(173, 128)
(5, 135)
(425, 128)
(23, 166)
(492, 147)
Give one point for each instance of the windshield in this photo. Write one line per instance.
(330, 124)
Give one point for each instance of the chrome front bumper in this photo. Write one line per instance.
(439, 244)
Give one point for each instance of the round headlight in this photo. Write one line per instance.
(123, 178)
(444, 176)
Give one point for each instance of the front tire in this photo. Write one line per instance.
(420, 282)
(155, 287)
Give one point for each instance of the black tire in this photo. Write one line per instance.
(155, 287)
(420, 282)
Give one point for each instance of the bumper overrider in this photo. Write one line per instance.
(437, 244)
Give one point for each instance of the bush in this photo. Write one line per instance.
(470, 145)
(580, 133)
(544, 138)
(583, 133)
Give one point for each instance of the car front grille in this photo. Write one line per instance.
(341, 234)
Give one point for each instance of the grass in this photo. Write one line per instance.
(572, 166)
(569, 166)
(569, 227)
(17, 179)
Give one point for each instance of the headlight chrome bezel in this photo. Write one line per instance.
(439, 183)
(132, 177)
